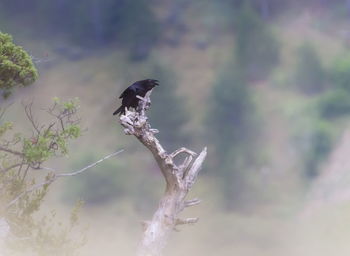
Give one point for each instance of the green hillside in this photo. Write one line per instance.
(267, 90)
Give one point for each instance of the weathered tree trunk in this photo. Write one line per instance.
(4, 231)
(179, 180)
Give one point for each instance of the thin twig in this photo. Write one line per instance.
(17, 153)
(182, 150)
(25, 173)
(47, 169)
(192, 202)
(89, 166)
(48, 129)
(56, 176)
(186, 221)
(37, 186)
(11, 167)
(4, 109)
(29, 114)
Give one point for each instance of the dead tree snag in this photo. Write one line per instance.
(179, 180)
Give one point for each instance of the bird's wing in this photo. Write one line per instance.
(139, 91)
(128, 97)
(128, 92)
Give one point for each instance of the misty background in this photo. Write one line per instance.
(265, 84)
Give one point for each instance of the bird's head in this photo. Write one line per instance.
(152, 83)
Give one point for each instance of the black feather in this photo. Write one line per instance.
(128, 96)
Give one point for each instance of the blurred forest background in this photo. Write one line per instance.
(265, 84)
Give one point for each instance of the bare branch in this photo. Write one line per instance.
(195, 168)
(185, 165)
(192, 202)
(56, 176)
(25, 172)
(11, 167)
(182, 150)
(186, 221)
(29, 114)
(4, 231)
(46, 169)
(14, 152)
(154, 131)
(4, 109)
(179, 180)
(90, 166)
(49, 129)
(35, 187)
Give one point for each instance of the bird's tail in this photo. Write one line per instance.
(120, 110)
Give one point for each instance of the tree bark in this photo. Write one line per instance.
(179, 180)
(4, 231)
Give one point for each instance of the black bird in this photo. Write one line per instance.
(129, 99)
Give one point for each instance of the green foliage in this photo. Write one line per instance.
(310, 75)
(315, 143)
(5, 127)
(340, 72)
(52, 142)
(88, 186)
(21, 195)
(335, 103)
(16, 66)
(232, 128)
(321, 144)
(266, 9)
(317, 128)
(167, 102)
(232, 112)
(316, 140)
(90, 23)
(45, 236)
(137, 28)
(256, 47)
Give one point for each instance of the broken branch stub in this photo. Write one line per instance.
(179, 180)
